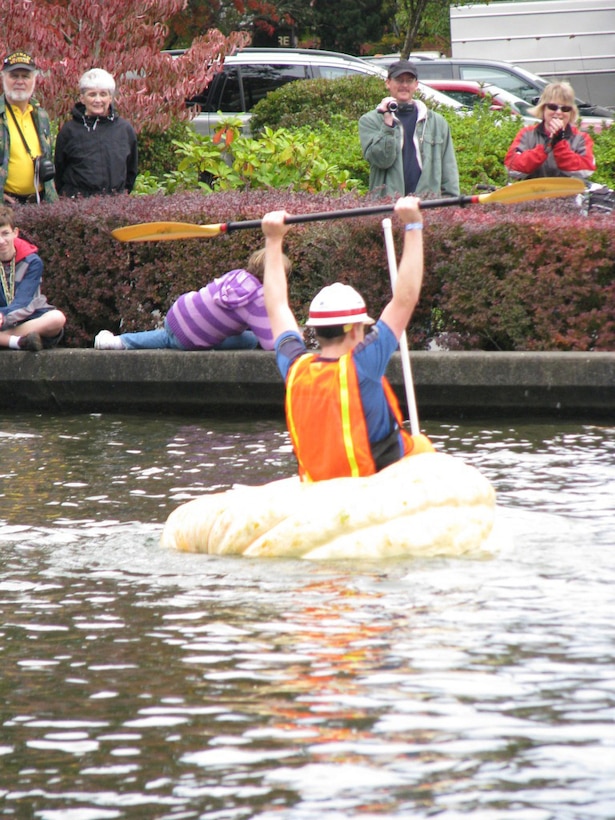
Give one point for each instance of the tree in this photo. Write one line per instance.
(256, 16)
(198, 16)
(420, 21)
(194, 20)
(266, 17)
(415, 10)
(346, 25)
(126, 37)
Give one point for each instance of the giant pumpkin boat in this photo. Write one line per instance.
(425, 505)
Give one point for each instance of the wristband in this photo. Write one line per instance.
(414, 226)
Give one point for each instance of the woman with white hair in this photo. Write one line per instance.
(96, 150)
(554, 147)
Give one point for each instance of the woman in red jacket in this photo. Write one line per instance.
(554, 147)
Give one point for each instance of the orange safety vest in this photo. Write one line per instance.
(325, 419)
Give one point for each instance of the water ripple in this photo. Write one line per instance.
(137, 682)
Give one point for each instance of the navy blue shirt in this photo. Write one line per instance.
(407, 116)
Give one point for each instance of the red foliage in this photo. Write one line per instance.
(525, 277)
(509, 280)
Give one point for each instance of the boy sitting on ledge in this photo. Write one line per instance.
(27, 320)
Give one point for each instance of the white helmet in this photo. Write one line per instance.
(338, 305)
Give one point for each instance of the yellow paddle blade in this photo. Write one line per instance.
(529, 189)
(161, 231)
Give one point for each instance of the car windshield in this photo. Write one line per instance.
(509, 82)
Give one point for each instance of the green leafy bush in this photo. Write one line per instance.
(481, 139)
(604, 152)
(340, 145)
(307, 103)
(278, 158)
(332, 108)
(157, 150)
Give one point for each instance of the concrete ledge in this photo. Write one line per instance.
(447, 385)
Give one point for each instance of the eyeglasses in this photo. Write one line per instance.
(565, 109)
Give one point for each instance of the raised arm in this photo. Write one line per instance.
(275, 286)
(410, 270)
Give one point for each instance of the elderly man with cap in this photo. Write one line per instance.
(26, 173)
(408, 146)
(342, 414)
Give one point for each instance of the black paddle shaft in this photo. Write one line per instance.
(369, 211)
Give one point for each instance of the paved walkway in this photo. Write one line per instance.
(447, 385)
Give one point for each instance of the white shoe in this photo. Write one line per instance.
(107, 341)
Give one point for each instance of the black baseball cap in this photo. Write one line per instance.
(18, 59)
(402, 67)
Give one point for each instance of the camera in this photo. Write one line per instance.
(392, 106)
(44, 169)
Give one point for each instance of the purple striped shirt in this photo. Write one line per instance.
(225, 307)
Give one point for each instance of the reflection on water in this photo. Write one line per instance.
(61, 468)
(141, 683)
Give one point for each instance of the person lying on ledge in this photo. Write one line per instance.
(343, 416)
(27, 320)
(227, 314)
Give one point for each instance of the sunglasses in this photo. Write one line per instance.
(565, 109)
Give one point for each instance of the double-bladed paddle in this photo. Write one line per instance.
(523, 191)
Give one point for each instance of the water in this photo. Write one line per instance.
(141, 683)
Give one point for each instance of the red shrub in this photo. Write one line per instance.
(527, 277)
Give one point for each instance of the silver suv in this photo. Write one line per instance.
(508, 76)
(250, 74)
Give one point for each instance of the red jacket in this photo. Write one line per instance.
(532, 155)
(23, 248)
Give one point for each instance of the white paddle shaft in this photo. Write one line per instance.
(403, 341)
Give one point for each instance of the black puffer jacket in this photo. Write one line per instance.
(95, 155)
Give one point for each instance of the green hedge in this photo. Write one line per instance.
(536, 276)
(331, 108)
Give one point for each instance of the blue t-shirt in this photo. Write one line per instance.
(371, 358)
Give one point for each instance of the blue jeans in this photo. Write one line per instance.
(163, 338)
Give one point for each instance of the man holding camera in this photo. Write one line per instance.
(408, 146)
(27, 171)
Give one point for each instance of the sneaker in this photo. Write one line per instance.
(31, 341)
(107, 341)
(50, 342)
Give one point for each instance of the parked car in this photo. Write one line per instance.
(385, 60)
(250, 74)
(469, 92)
(507, 76)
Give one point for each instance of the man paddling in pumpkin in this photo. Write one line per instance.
(342, 414)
